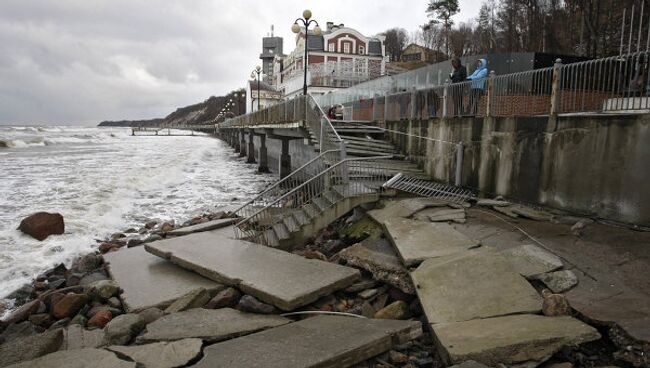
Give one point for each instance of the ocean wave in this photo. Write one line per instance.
(19, 143)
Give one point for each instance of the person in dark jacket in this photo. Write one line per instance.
(457, 75)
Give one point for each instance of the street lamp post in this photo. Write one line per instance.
(258, 71)
(296, 29)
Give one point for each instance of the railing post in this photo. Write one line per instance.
(320, 137)
(375, 107)
(445, 95)
(343, 167)
(555, 89)
(490, 94)
(459, 164)
(413, 103)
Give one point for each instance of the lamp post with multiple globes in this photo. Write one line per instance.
(295, 28)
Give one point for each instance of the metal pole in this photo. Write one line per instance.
(304, 85)
(620, 51)
(629, 42)
(258, 91)
(638, 41)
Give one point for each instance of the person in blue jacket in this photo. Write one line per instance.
(478, 87)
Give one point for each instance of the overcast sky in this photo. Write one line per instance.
(83, 61)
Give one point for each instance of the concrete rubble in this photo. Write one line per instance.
(162, 354)
(323, 341)
(530, 260)
(79, 358)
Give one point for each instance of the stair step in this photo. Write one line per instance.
(311, 210)
(281, 231)
(291, 223)
(322, 203)
(333, 196)
(271, 238)
(301, 217)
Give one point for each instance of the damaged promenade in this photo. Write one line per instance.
(402, 282)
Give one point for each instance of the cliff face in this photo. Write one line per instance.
(200, 113)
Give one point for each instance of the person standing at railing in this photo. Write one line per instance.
(457, 75)
(478, 86)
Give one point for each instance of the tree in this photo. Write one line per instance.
(442, 11)
(395, 42)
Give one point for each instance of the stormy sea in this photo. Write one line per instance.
(103, 180)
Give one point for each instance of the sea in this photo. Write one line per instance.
(103, 180)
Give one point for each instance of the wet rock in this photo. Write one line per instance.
(79, 319)
(469, 364)
(40, 285)
(554, 305)
(123, 329)
(114, 302)
(87, 263)
(166, 227)
(23, 312)
(134, 242)
(30, 347)
(74, 279)
(102, 290)
(40, 225)
(117, 236)
(396, 357)
(60, 323)
(361, 285)
(108, 247)
(92, 278)
(225, 298)
(94, 310)
(153, 238)
(248, 303)
(395, 310)
(57, 284)
(530, 260)
(23, 294)
(69, 305)
(18, 330)
(162, 354)
(194, 299)
(100, 319)
(150, 225)
(559, 281)
(42, 320)
(151, 314)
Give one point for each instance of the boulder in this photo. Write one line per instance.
(42, 320)
(18, 330)
(87, 263)
(394, 310)
(151, 314)
(166, 227)
(225, 298)
(162, 354)
(40, 225)
(100, 319)
(102, 290)
(69, 305)
(22, 294)
(30, 347)
(77, 337)
(122, 329)
(92, 277)
(250, 304)
(194, 299)
(23, 312)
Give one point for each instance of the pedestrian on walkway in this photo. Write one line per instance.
(478, 86)
(457, 75)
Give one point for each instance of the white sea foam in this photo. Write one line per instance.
(102, 181)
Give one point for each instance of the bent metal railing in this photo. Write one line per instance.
(347, 178)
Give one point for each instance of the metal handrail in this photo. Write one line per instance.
(239, 225)
(323, 114)
(285, 179)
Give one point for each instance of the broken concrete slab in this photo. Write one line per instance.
(206, 226)
(148, 281)
(78, 358)
(208, 324)
(403, 208)
(30, 347)
(416, 241)
(285, 280)
(477, 284)
(162, 354)
(323, 341)
(77, 337)
(531, 213)
(530, 260)
(379, 258)
(510, 340)
(559, 281)
(492, 202)
(507, 210)
(194, 299)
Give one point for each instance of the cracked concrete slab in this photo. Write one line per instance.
(285, 280)
(416, 241)
(206, 226)
(403, 208)
(323, 341)
(530, 260)
(208, 324)
(148, 281)
(510, 340)
(78, 358)
(162, 354)
(476, 284)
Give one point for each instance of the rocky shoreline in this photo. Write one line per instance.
(80, 307)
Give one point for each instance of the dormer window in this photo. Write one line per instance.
(362, 50)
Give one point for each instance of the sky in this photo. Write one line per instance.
(82, 62)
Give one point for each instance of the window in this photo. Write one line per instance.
(362, 50)
(346, 48)
(332, 47)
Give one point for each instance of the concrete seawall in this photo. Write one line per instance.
(592, 164)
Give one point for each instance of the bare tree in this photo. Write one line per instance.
(395, 42)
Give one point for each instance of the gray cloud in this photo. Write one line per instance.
(79, 61)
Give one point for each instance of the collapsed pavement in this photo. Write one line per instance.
(438, 284)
